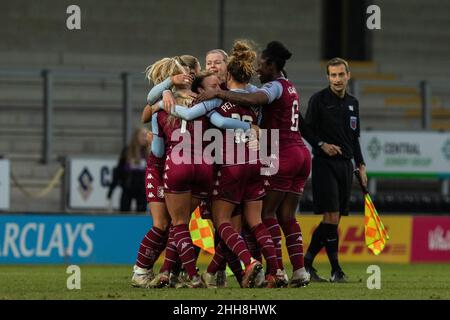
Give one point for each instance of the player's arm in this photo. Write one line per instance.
(146, 115)
(251, 88)
(243, 99)
(158, 144)
(266, 95)
(229, 123)
(198, 110)
(156, 93)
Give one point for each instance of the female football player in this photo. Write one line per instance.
(280, 103)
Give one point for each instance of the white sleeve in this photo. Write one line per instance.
(273, 90)
(251, 88)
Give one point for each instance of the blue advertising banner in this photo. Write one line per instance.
(68, 239)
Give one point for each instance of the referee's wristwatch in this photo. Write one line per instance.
(320, 144)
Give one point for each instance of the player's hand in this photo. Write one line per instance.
(331, 149)
(168, 101)
(363, 175)
(155, 108)
(146, 114)
(207, 95)
(182, 80)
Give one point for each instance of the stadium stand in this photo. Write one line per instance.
(388, 86)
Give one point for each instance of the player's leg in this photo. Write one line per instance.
(179, 205)
(251, 243)
(221, 211)
(178, 274)
(287, 212)
(155, 240)
(271, 203)
(252, 213)
(231, 258)
(294, 239)
(255, 251)
(151, 245)
(215, 275)
(195, 202)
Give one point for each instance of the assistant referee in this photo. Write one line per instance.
(332, 119)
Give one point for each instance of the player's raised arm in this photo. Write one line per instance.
(265, 95)
(245, 99)
(228, 123)
(156, 93)
(157, 146)
(198, 110)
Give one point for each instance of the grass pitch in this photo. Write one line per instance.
(419, 281)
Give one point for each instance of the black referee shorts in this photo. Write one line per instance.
(331, 184)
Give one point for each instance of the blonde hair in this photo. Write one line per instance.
(241, 62)
(219, 51)
(182, 99)
(167, 67)
(162, 69)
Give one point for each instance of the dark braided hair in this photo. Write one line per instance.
(275, 52)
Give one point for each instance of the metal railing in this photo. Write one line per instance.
(49, 77)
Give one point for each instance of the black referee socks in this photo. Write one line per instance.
(325, 235)
(318, 241)
(332, 246)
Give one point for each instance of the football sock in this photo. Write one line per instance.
(171, 255)
(185, 249)
(251, 243)
(151, 247)
(218, 258)
(235, 264)
(274, 229)
(234, 242)
(265, 242)
(223, 264)
(294, 243)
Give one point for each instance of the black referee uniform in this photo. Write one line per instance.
(333, 120)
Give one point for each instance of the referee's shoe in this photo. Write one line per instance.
(338, 276)
(314, 276)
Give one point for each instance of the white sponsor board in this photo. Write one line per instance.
(89, 182)
(4, 184)
(408, 153)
